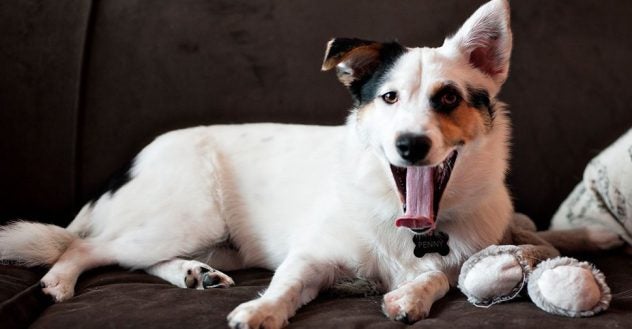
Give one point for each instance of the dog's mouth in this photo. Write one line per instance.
(420, 190)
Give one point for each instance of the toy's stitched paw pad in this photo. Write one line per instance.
(493, 275)
(405, 306)
(257, 314)
(201, 276)
(57, 287)
(565, 286)
(569, 287)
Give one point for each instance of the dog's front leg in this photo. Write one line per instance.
(411, 302)
(296, 282)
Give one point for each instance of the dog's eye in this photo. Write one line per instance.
(446, 99)
(449, 99)
(390, 97)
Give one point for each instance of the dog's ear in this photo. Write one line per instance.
(353, 59)
(485, 39)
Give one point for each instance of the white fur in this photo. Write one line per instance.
(32, 243)
(313, 203)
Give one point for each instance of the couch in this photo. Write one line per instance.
(85, 84)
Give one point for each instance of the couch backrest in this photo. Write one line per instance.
(84, 85)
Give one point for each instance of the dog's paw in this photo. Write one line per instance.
(602, 238)
(57, 287)
(257, 314)
(201, 276)
(403, 304)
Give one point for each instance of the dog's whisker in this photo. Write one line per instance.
(624, 294)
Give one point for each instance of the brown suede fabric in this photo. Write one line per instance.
(85, 84)
(41, 46)
(21, 298)
(115, 298)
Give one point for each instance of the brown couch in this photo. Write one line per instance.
(85, 84)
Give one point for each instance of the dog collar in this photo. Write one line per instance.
(431, 242)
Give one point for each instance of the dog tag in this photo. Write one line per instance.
(430, 243)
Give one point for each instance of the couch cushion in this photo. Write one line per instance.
(114, 298)
(41, 49)
(153, 66)
(21, 298)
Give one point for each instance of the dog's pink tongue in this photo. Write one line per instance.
(419, 199)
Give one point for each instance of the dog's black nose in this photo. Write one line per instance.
(413, 148)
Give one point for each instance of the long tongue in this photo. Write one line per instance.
(419, 199)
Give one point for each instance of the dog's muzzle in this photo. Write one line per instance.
(421, 189)
(413, 148)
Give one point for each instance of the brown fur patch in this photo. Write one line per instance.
(363, 49)
(362, 61)
(360, 58)
(461, 125)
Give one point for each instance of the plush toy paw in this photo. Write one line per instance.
(565, 286)
(493, 275)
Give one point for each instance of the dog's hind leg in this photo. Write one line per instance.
(80, 256)
(190, 274)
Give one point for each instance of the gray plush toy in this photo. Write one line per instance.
(558, 285)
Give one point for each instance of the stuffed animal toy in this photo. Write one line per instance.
(558, 285)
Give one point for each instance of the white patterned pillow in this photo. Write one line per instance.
(604, 196)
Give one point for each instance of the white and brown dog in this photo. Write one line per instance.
(422, 157)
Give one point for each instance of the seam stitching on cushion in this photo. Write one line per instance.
(80, 104)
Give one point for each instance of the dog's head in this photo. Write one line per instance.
(420, 106)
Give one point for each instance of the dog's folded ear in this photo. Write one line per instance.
(352, 58)
(486, 40)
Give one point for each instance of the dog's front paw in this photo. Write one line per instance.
(201, 276)
(404, 305)
(256, 314)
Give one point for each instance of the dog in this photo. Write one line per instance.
(402, 194)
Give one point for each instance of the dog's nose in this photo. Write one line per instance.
(413, 148)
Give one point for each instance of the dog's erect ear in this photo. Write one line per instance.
(485, 39)
(353, 59)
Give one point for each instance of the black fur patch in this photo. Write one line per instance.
(344, 45)
(364, 90)
(479, 98)
(435, 100)
(116, 181)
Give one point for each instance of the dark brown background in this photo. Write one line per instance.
(84, 85)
